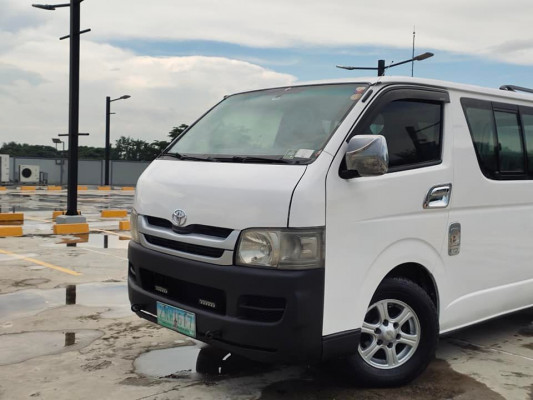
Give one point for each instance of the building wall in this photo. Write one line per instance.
(90, 172)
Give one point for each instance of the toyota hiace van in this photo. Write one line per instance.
(356, 218)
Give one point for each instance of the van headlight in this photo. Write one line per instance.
(281, 248)
(134, 225)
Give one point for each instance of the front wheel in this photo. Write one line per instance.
(399, 335)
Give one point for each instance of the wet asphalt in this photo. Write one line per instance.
(68, 332)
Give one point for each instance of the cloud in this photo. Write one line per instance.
(453, 25)
(9, 75)
(166, 91)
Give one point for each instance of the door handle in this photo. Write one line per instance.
(438, 196)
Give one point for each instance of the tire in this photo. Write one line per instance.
(399, 335)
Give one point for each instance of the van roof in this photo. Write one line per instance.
(426, 82)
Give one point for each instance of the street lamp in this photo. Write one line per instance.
(57, 141)
(74, 101)
(107, 132)
(50, 7)
(381, 64)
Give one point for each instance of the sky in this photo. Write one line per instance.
(178, 58)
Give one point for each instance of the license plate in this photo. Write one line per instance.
(176, 319)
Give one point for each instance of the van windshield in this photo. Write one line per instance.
(290, 124)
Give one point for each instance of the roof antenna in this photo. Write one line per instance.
(413, 56)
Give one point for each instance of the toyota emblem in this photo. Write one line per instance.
(179, 217)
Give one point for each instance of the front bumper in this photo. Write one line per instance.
(263, 314)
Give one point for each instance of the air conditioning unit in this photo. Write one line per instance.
(29, 173)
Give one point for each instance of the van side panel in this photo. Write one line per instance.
(493, 272)
(373, 225)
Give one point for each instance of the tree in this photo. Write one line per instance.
(28, 150)
(131, 149)
(177, 130)
(91, 153)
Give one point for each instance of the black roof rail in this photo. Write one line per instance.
(513, 88)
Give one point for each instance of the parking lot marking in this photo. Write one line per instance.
(105, 254)
(112, 233)
(43, 263)
(37, 219)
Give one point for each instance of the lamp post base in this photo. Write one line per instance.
(71, 219)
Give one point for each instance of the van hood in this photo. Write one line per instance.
(226, 195)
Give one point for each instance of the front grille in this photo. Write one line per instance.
(185, 247)
(261, 308)
(203, 230)
(162, 223)
(187, 293)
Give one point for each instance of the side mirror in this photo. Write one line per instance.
(368, 155)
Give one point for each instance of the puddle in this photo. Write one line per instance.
(11, 257)
(25, 303)
(31, 282)
(332, 381)
(95, 241)
(527, 331)
(181, 363)
(160, 363)
(18, 347)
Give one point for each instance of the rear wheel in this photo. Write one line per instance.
(399, 334)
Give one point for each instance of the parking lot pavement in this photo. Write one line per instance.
(94, 347)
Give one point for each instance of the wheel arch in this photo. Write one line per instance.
(412, 259)
(420, 275)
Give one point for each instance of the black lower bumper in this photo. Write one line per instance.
(263, 314)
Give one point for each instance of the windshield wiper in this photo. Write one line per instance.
(186, 157)
(256, 159)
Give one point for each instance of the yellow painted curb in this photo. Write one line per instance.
(103, 187)
(124, 225)
(82, 188)
(62, 229)
(10, 231)
(28, 187)
(114, 213)
(128, 188)
(2, 188)
(53, 187)
(11, 216)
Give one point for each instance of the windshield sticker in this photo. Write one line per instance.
(304, 153)
(289, 155)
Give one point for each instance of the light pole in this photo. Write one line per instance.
(381, 64)
(74, 100)
(107, 132)
(57, 141)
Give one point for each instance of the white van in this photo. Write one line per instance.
(357, 218)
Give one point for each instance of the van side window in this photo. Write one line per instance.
(499, 138)
(481, 124)
(509, 142)
(413, 132)
(527, 121)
